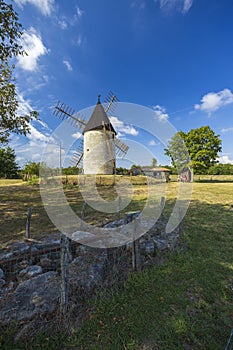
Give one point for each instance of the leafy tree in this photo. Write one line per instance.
(178, 152)
(202, 145)
(221, 169)
(122, 171)
(10, 33)
(154, 162)
(71, 170)
(9, 169)
(32, 168)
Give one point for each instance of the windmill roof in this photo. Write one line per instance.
(98, 118)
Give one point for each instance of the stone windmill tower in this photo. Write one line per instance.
(100, 145)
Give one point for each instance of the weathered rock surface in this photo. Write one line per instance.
(36, 296)
(30, 271)
(2, 275)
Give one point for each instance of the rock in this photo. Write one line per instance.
(147, 247)
(2, 275)
(30, 271)
(45, 262)
(87, 274)
(2, 282)
(37, 296)
(19, 248)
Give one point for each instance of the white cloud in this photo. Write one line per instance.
(225, 160)
(160, 113)
(123, 128)
(62, 24)
(24, 106)
(36, 135)
(153, 143)
(77, 135)
(187, 5)
(138, 4)
(212, 101)
(227, 130)
(68, 65)
(182, 6)
(79, 40)
(79, 12)
(44, 6)
(33, 45)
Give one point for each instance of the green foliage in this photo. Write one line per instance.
(9, 169)
(10, 33)
(178, 152)
(71, 170)
(32, 168)
(154, 162)
(201, 145)
(122, 171)
(221, 169)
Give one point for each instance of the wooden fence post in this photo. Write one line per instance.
(136, 259)
(65, 255)
(28, 233)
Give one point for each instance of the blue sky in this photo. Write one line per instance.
(172, 56)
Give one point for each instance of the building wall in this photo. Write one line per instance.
(98, 153)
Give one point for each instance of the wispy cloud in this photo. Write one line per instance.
(182, 6)
(62, 23)
(225, 160)
(33, 45)
(160, 113)
(212, 101)
(79, 12)
(77, 135)
(44, 6)
(122, 127)
(68, 65)
(24, 106)
(79, 40)
(139, 4)
(153, 143)
(227, 130)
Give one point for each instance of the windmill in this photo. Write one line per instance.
(99, 147)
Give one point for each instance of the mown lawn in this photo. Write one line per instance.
(184, 303)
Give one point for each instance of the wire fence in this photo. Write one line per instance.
(49, 283)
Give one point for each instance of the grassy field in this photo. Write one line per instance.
(185, 303)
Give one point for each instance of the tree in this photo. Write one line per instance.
(10, 33)
(178, 152)
(221, 169)
(154, 162)
(202, 146)
(32, 168)
(71, 170)
(9, 169)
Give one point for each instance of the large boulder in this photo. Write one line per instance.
(36, 296)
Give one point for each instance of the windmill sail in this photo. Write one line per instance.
(77, 158)
(64, 112)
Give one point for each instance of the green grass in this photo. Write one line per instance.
(185, 303)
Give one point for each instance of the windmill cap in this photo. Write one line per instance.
(98, 119)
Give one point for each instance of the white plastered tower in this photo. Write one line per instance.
(99, 155)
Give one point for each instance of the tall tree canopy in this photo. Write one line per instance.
(10, 33)
(8, 167)
(154, 162)
(202, 145)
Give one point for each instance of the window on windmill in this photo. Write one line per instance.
(88, 149)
